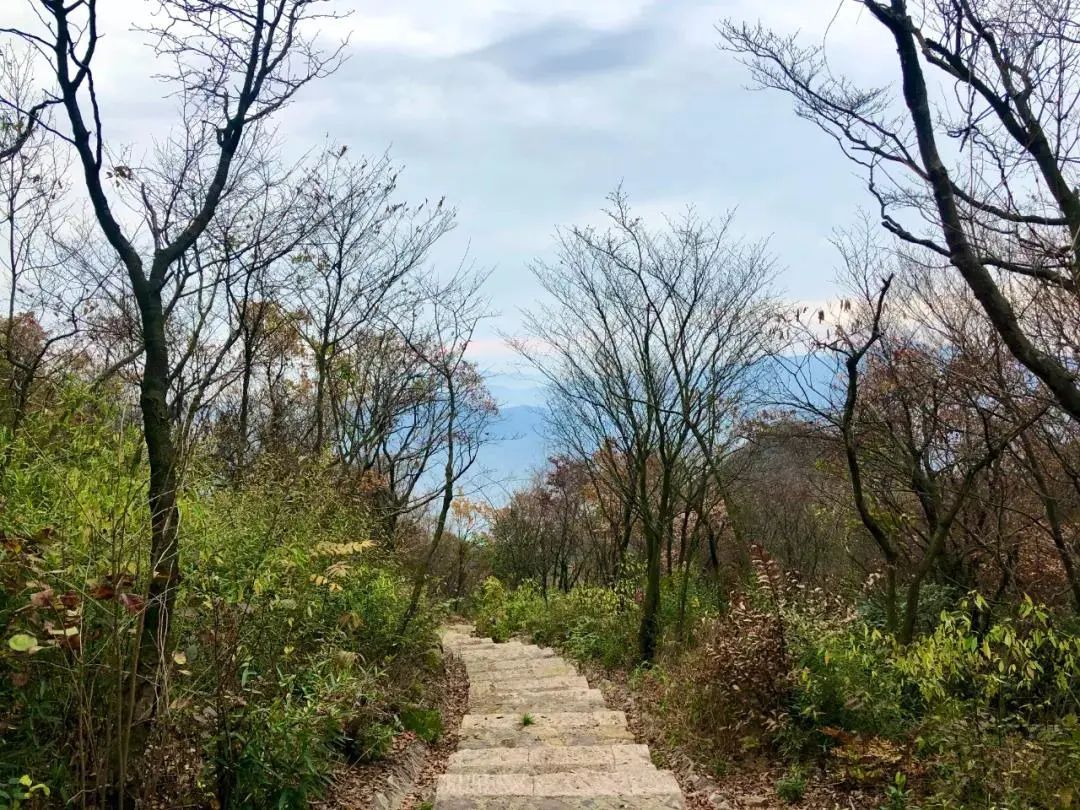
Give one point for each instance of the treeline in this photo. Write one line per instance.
(940, 390)
(235, 409)
(844, 534)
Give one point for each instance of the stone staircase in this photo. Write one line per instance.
(536, 736)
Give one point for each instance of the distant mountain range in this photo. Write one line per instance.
(518, 449)
(519, 445)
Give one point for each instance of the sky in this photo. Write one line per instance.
(525, 114)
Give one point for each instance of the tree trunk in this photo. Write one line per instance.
(320, 398)
(164, 518)
(444, 511)
(649, 632)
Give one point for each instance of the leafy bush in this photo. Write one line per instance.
(844, 677)
(590, 622)
(424, 723)
(791, 787)
(287, 652)
(1002, 701)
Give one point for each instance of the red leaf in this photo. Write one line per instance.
(103, 591)
(70, 600)
(131, 602)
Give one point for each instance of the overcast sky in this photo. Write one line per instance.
(525, 113)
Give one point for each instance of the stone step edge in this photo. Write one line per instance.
(581, 784)
(530, 683)
(602, 717)
(551, 759)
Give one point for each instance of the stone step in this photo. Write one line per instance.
(518, 668)
(550, 759)
(561, 700)
(503, 652)
(572, 754)
(546, 728)
(642, 790)
(462, 638)
(500, 685)
(456, 642)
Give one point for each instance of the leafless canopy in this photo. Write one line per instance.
(976, 161)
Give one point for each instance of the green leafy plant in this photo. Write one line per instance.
(791, 787)
(897, 794)
(21, 790)
(424, 723)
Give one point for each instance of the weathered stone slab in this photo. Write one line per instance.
(592, 789)
(550, 759)
(545, 728)
(560, 803)
(518, 668)
(507, 682)
(502, 652)
(561, 700)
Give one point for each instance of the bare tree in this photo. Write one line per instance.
(979, 167)
(21, 115)
(45, 298)
(365, 244)
(233, 65)
(647, 350)
(919, 436)
(465, 408)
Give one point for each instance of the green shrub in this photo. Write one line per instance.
(999, 701)
(287, 651)
(844, 677)
(424, 723)
(590, 622)
(285, 749)
(791, 787)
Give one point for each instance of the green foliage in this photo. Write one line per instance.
(844, 677)
(21, 791)
(590, 622)
(424, 723)
(285, 748)
(1022, 666)
(791, 787)
(981, 694)
(527, 719)
(897, 794)
(287, 652)
(1001, 698)
(500, 613)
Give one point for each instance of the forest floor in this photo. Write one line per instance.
(749, 784)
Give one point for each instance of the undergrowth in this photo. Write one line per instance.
(287, 657)
(813, 682)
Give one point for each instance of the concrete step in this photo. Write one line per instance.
(562, 700)
(518, 668)
(503, 652)
(573, 754)
(551, 759)
(500, 685)
(546, 728)
(651, 790)
(454, 640)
